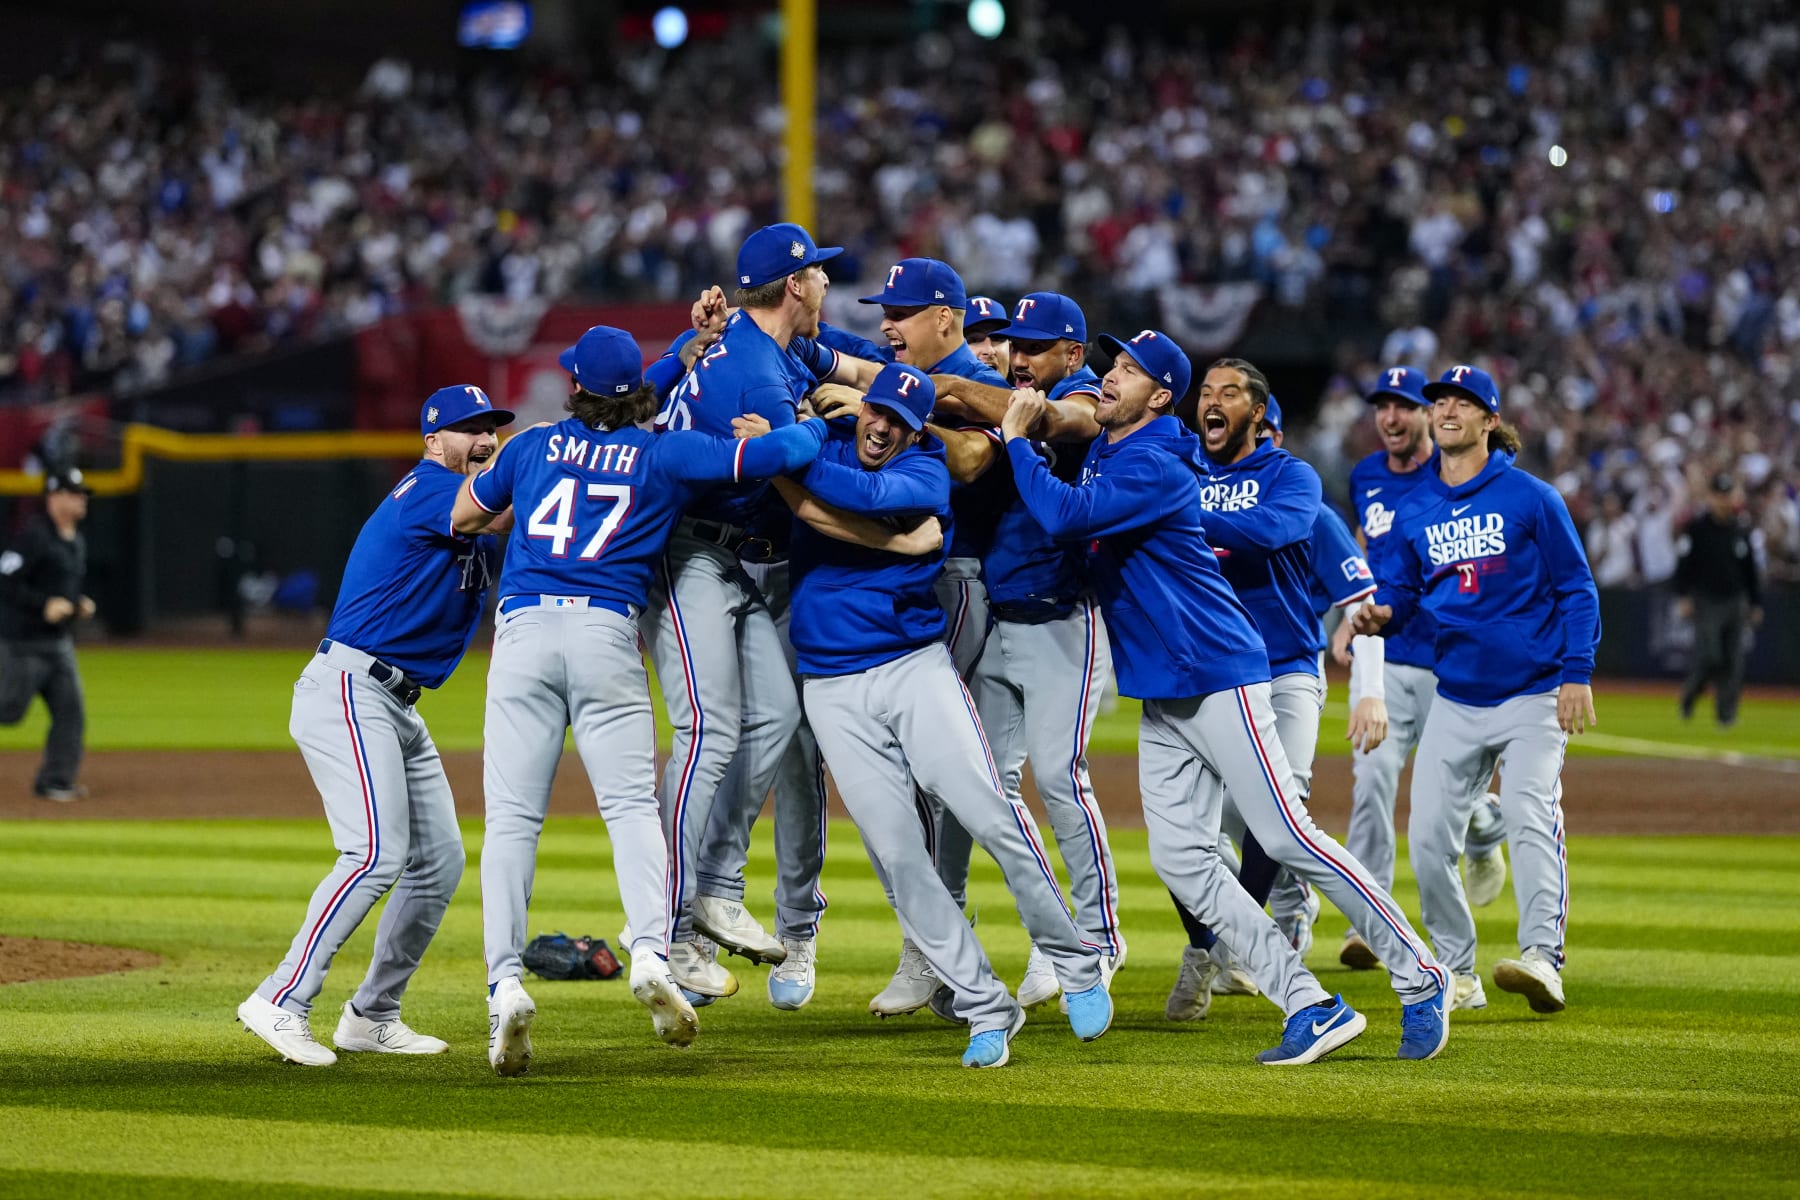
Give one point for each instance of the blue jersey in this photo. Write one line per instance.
(1178, 631)
(593, 508)
(1259, 514)
(854, 607)
(744, 372)
(1340, 574)
(414, 588)
(1029, 572)
(1376, 493)
(1496, 561)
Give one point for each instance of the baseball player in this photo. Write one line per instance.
(601, 496)
(1040, 680)
(1490, 552)
(1405, 684)
(724, 675)
(412, 595)
(1184, 644)
(890, 713)
(984, 326)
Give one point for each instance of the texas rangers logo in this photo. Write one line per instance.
(480, 396)
(1457, 373)
(985, 306)
(1355, 569)
(894, 274)
(1025, 306)
(1149, 335)
(1396, 377)
(906, 385)
(796, 249)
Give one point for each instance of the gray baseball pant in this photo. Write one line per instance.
(1457, 756)
(1227, 742)
(1298, 699)
(393, 822)
(712, 637)
(1038, 690)
(962, 594)
(908, 724)
(558, 669)
(1410, 692)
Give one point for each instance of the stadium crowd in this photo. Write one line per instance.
(1609, 221)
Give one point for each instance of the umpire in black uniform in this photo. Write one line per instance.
(40, 599)
(1718, 585)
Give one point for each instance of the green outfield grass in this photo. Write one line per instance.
(238, 700)
(1674, 1069)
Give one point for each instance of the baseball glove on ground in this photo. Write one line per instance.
(560, 956)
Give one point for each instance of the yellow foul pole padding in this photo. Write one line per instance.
(799, 64)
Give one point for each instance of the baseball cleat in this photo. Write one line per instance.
(1297, 927)
(1424, 1028)
(791, 982)
(1468, 994)
(993, 1047)
(288, 1032)
(1314, 1032)
(1356, 954)
(1192, 995)
(1108, 968)
(392, 1036)
(1534, 977)
(1090, 1012)
(1039, 985)
(61, 795)
(730, 924)
(943, 1005)
(655, 989)
(510, 1014)
(1232, 980)
(695, 965)
(911, 987)
(1484, 877)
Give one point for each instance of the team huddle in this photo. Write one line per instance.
(917, 566)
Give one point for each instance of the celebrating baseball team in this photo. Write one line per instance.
(917, 566)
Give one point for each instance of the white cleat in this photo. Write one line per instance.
(1192, 994)
(289, 1033)
(393, 1036)
(1468, 994)
(1356, 954)
(911, 987)
(1484, 878)
(510, 1014)
(670, 1012)
(730, 924)
(791, 982)
(695, 966)
(1232, 980)
(1534, 977)
(1039, 985)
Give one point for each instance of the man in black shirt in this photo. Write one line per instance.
(1716, 579)
(40, 599)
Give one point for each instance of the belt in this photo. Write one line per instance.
(732, 537)
(1030, 614)
(512, 604)
(390, 677)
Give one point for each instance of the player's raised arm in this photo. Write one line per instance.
(972, 400)
(968, 452)
(1284, 515)
(923, 536)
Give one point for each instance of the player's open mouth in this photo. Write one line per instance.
(480, 456)
(1024, 379)
(876, 444)
(1213, 421)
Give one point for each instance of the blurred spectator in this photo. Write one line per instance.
(1612, 544)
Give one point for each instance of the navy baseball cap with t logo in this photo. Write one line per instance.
(777, 251)
(1158, 354)
(605, 361)
(1405, 383)
(907, 391)
(458, 402)
(920, 282)
(985, 315)
(1047, 317)
(1469, 382)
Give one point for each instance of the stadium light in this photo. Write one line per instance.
(1558, 156)
(669, 27)
(987, 17)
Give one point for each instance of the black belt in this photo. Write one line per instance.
(731, 537)
(389, 677)
(1030, 614)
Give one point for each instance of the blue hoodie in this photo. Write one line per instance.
(855, 608)
(1340, 573)
(1259, 516)
(1177, 629)
(1496, 561)
(1376, 493)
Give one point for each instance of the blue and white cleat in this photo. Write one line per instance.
(1314, 1032)
(993, 1047)
(1090, 1012)
(694, 998)
(791, 981)
(1424, 1028)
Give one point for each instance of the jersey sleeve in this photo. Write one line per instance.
(701, 458)
(910, 485)
(1282, 517)
(1337, 564)
(1572, 582)
(1402, 579)
(492, 489)
(667, 371)
(17, 567)
(835, 341)
(1131, 493)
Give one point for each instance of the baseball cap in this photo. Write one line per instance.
(1272, 413)
(1472, 382)
(777, 251)
(985, 315)
(605, 361)
(920, 281)
(458, 402)
(906, 390)
(1045, 317)
(1408, 383)
(1158, 354)
(66, 479)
